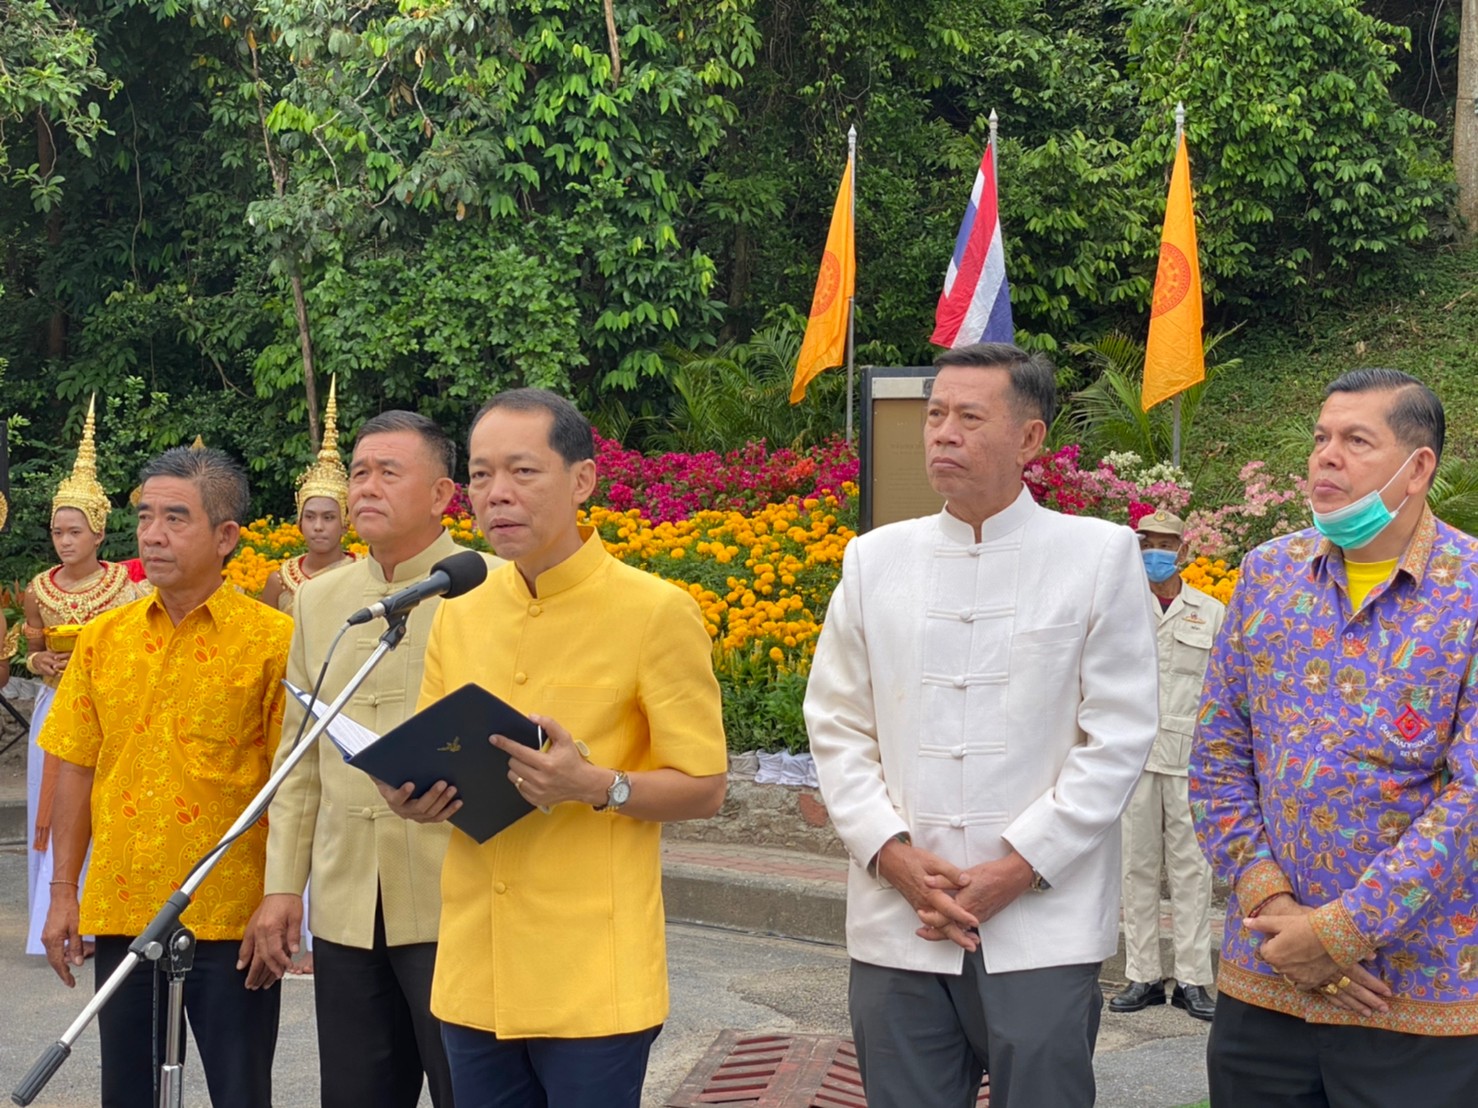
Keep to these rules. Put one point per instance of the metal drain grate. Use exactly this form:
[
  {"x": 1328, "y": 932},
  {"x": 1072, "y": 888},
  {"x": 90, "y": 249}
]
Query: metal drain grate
[{"x": 778, "y": 1071}]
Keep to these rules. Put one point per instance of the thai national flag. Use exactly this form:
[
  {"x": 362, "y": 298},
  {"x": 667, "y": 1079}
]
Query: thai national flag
[{"x": 976, "y": 303}]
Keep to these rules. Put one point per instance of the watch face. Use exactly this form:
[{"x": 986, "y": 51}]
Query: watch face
[{"x": 620, "y": 791}]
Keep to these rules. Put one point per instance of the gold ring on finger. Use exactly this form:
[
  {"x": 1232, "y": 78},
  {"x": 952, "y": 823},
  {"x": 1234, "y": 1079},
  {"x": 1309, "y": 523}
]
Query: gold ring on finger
[
  {"x": 1344, "y": 983},
  {"x": 1330, "y": 988},
  {"x": 518, "y": 782}
]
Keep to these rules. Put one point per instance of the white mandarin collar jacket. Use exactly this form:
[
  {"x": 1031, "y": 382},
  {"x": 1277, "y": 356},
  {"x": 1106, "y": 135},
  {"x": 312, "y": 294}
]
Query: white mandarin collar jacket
[{"x": 982, "y": 696}]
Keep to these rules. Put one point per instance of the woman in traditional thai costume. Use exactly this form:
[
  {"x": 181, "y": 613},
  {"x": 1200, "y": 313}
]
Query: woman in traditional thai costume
[
  {"x": 57, "y": 603},
  {"x": 323, "y": 517}
]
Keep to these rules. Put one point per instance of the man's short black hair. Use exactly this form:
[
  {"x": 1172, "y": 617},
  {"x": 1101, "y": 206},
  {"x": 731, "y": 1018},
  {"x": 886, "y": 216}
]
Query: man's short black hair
[
  {"x": 224, "y": 492},
  {"x": 1415, "y": 416},
  {"x": 570, "y": 433},
  {"x": 439, "y": 444},
  {"x": 1033, "y": 379}
]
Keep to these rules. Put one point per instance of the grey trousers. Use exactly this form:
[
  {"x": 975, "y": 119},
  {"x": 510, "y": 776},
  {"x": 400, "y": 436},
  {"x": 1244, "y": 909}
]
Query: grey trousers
[{"x": 925, "y": 1039}]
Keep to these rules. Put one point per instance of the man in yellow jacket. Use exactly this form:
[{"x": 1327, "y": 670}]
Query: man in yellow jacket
[{"x": 551, "y": 980}]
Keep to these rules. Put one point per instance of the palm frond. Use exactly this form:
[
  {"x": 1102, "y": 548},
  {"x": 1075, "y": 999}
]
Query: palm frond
[
  {"x": 1454, "y": 494},
  {"x": 1107, "y": 415}
]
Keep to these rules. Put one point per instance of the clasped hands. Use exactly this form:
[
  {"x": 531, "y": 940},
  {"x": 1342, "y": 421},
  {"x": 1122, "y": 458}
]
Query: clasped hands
[
  {"x": 952, "y": 902},
  {"x": 547, "y": 777},
  {"x": 1292, "y": 947}
]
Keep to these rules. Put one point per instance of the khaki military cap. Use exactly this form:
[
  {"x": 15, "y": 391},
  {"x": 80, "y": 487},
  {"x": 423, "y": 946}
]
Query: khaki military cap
[{"x": 1161, "y": 522}]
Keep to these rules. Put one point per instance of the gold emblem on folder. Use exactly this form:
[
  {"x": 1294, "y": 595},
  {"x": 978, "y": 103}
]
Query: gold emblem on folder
[{"x": 453, "y": 747}]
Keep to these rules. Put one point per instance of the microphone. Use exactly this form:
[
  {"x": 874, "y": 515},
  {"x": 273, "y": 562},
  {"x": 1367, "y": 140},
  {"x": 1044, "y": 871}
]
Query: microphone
[{"x": 449, "y": 577}]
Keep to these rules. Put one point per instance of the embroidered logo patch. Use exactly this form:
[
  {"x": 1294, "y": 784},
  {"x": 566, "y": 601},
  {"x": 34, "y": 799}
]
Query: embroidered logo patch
[{"x": 1410, "y": 724}]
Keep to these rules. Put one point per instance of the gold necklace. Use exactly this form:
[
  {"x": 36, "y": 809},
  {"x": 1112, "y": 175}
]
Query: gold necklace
[
  {"x": 99, "y": 592},
  {"x": 294, "y": 576}
]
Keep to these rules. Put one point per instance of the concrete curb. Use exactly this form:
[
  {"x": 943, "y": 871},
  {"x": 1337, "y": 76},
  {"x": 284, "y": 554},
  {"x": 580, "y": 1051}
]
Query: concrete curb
[{"x": 796, "y": 907}]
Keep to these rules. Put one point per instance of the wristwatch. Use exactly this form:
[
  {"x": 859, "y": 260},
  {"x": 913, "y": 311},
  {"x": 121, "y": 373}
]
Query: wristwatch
[
  {"x": 618, "y": 794},
  {"x": 1039, "y": 883}
]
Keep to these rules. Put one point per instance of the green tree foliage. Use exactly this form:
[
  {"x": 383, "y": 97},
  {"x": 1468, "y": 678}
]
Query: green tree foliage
[
  {"x": 1309, "y": 177},
  {"x": 435, "y": 198},
  {"x": 508, "y": 167},
  {"x": 49, "y": 76},
  {"x": 920, "y": 80}
]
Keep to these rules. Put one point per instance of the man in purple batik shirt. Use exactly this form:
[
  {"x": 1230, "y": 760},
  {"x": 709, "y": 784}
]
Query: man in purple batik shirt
[{"x": 1334, "y": 781}]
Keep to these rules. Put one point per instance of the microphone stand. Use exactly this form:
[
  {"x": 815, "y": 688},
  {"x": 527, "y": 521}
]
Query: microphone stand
[{"x": 165, "y": 935}]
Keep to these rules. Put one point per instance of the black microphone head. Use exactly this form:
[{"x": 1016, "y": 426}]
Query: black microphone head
[{"x": 465, "y": 571}]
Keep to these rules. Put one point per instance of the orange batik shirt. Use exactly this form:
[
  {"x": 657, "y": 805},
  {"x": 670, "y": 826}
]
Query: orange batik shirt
[{"x": 180, "y": 725}]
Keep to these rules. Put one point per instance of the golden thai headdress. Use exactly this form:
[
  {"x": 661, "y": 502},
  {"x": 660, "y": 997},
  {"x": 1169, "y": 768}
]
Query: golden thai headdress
[
  {"x": 138, "y": 490},
  {"x": 327, "y": 476},
  {"x": 81, "y": 490}
]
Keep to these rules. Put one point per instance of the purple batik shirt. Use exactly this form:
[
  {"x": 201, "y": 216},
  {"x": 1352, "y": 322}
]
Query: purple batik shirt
[{"x": 1336, "y": 759}]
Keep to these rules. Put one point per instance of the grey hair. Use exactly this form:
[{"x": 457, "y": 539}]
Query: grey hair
[{"x": 219, "y": 477}]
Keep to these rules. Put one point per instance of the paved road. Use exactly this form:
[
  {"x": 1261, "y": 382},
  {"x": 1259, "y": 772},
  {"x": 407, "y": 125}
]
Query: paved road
[{"x": 720, "y": 979}]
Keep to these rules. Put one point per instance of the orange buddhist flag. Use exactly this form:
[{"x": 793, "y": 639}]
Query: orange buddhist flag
[
  {"x": 825, "y": 344},
  {"x": 1174, "y": 358}
]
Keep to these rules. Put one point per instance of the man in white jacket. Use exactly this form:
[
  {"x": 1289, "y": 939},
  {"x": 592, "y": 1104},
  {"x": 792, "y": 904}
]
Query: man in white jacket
[{"x": 982, "y": 702}]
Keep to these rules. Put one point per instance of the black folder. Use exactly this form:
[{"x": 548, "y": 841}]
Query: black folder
[{"x": 448, "y": 741}]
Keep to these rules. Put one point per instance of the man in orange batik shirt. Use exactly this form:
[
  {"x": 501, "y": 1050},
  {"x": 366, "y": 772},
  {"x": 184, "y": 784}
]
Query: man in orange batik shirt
[{"x": 166, "y": 722}]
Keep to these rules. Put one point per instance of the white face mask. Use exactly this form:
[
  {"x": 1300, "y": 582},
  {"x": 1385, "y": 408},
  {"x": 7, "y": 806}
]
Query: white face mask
[{"x": 1358, "y": 524}]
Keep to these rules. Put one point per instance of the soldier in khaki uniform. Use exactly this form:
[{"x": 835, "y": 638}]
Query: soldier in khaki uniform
[{"x": 1157, "y": 826}]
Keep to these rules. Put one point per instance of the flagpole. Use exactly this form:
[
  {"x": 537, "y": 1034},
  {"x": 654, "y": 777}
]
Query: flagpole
[
  {"x": 1175, "y": 401},
  {"x": 851, "y": 300}
]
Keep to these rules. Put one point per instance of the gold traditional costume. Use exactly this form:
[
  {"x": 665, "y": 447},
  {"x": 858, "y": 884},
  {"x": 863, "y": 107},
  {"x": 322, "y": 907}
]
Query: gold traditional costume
[
  {"x": 81, "y": 490},
  {"x": 325, "y": 477},
  {"x": 63, "y": 611}
]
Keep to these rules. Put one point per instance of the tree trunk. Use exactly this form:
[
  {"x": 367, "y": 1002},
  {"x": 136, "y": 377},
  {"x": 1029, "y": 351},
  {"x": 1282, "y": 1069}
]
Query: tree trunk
[
  {"x": 310, "y": 378},
  {"x": 739, "y": 281},
  {"x": 56, "y": 330},
  {"x": 1465, "y": 126},
  {"x": 615, "y": 41},
  {"x": 278, "y": 169}
]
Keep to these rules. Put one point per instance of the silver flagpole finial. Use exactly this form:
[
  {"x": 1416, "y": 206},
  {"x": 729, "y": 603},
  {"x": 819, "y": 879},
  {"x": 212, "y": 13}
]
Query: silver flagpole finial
[
  {"x": 994, "y": 120},
  {"x": 1179, "y": 119}
]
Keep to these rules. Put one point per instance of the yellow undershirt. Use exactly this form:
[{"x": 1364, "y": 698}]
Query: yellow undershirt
[{"x": 1365, "y": 576}]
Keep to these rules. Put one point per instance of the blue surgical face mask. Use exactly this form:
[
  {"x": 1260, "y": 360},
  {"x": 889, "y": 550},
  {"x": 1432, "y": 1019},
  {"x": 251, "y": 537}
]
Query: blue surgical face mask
[
  {"x": 1159, "y": 565},
  {"x": 1360, "y": 523}
]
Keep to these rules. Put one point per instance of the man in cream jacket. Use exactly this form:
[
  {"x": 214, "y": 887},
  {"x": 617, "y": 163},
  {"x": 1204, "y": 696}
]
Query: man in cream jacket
[{"x": 982, "y": 702}]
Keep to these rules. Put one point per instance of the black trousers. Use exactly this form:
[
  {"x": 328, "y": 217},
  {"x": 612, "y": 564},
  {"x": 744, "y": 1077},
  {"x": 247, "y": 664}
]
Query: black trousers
[
  {"x": 1256, "y": 1056},
  {"x": 235, "y": 1028},
  {"x": 377, "y": 1038}
]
